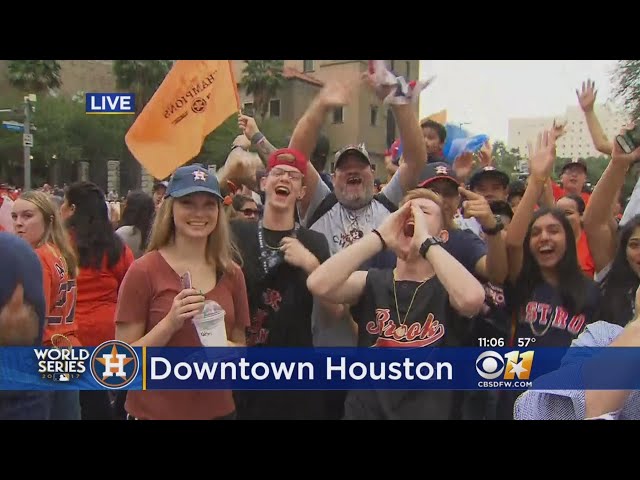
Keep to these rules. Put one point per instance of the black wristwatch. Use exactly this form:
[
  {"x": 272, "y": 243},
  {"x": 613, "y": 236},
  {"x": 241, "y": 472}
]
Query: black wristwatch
[
  {"x": 495, "y": 230},
  {"x": 427, "y": 244}
]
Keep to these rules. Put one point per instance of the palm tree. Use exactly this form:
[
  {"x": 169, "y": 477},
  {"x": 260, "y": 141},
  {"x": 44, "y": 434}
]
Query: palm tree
[
  {"x": 626, "y": 79},
  {"x": 263, "y": 79},
  {"x": 142, "y": 78},
  {"x": 34, "y": 76}
]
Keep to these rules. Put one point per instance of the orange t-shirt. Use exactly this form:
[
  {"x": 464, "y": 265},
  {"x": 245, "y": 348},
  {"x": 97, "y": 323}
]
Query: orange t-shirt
[
  {"x": 559, "y": 192},
  {"x": 60, "y": 297},
  {"x": 97, "y": 299},
  {"x": 584, "y": 256}
]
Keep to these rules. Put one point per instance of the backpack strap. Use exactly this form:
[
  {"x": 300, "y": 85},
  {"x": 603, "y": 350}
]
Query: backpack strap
[
  {"x": 327, "y": 204},
  {"x": 330, "y": 200},
  {"x": 386, "y": 203}
]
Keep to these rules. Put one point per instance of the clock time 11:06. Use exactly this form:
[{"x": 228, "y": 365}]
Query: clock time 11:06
[{"x": 490, "y": 342}]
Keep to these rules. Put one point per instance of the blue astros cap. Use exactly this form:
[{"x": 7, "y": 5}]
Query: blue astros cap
[{"x": 191, "y": 179}]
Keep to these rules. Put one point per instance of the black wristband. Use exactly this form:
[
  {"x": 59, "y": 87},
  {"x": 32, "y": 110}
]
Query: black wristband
[{"x": 384, "y": 244}]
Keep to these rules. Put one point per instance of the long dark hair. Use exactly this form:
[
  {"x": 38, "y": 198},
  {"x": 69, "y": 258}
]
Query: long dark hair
[
  {"x": 90, "y": 227},
  {"x": 572, "y": 283},
  {"x": 139, "y": 212},
  {"x": 620, "y": 284}
]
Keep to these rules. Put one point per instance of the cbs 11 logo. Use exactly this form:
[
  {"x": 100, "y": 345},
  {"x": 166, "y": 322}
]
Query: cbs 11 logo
[{"x": 491, "y": 365}]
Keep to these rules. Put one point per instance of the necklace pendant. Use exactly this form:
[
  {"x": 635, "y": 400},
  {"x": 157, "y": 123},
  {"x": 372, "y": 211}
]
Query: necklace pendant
[{"x": 401, "y": 331}]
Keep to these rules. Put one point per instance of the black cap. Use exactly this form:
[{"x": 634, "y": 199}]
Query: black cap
[
  {"x": 436, "y": 171},
  {"x": 576, "y": 161},
  {"x": 486, "y": 172}
]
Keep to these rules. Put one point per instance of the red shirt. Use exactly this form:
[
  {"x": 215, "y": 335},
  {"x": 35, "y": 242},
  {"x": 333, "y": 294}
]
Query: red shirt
[
  {"x": 559, "y": 192},
  {"x": 584, "y": 256},
  {"x": 97, "y": 299},
  {"x": 60, "y": 298}
]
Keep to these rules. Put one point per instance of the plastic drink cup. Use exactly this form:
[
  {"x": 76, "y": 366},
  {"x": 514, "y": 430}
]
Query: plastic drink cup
[{"x": 210, "y": 325}]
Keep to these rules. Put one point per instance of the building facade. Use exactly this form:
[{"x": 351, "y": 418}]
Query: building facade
[
  {"x": 364, "y": 120},
  {"x": 576, "y": 143}
]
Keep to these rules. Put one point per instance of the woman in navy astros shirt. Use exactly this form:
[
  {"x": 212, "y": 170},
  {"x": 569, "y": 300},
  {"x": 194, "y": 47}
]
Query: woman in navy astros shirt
[{"x": 551, "y": 301}]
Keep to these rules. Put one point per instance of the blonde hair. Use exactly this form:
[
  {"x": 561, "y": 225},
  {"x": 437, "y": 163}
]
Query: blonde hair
[
  {"x": 220, "y": 248},
  {"x": 54, "y": 232},
  {"x": 417, "y": 193}
]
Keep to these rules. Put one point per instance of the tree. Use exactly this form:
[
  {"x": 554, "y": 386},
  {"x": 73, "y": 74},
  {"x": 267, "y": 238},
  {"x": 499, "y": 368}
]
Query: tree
[
  {"x": 626, "y": 78},
  {"x": 263, "y": 79},
  {"x": 142, "y": 78},
  {"x": 34, "y": 76},
  {"x": 506, "y": 160},
  {"x": 218, "y": 144}
]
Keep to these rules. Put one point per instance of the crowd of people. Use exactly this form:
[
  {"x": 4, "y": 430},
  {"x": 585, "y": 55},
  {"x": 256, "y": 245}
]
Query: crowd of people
[{"x": 438, "y": 255}]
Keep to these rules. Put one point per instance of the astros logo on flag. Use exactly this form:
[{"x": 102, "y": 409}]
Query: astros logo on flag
[{"x": 114, "y": 364}]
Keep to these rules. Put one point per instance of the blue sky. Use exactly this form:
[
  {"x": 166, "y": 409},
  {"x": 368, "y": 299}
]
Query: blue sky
[{"x": 487, "y": 93}]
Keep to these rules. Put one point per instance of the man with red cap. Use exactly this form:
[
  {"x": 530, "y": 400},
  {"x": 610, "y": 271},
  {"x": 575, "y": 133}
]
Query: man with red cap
[{"x": 278, "y": 255}]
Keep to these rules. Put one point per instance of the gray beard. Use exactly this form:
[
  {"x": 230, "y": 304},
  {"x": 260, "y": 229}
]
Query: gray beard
[{"x": 354, "y": 204}]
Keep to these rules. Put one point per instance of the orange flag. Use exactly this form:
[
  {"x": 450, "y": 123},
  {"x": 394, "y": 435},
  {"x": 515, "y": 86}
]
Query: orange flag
[
  {"x": 192, "y": 101},
  {"x": 439, "y": 117}
]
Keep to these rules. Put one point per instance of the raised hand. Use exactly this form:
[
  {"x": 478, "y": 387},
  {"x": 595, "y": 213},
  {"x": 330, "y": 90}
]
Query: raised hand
[
  {"x": 542, "y": 157},
  {"x": 463, "y": 165},
  {"x": 587, "y": 96},
  {"x": 421, "y": 230},
  {"x": 476, "y": 206},
  {"x": 337, "y": 93},
  {"x": 248, "y": 126},
  {"x": 392, "y": 227},
  {"x": 485, "y": 155},
  {"x": 619, "y": 156},
  {"x": 242, "y": 141},
  {"x": 558, "y": 129}
]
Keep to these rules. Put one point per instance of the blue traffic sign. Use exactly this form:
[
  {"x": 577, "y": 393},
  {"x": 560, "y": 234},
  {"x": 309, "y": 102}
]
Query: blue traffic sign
[{"x": 13, "y": 126}]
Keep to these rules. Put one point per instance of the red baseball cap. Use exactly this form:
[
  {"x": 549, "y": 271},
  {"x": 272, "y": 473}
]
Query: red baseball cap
[{"x": 288, "y": 156}]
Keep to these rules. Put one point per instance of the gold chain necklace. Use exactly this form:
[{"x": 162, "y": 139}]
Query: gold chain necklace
[
  {"x": 540, "y": 334},
  {"x": 402, "y": 328}
]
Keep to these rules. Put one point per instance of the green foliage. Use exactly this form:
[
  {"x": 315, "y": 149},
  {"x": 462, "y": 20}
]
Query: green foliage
[
  {"x": 65, "y": 131},
  {"x": 218, "y": 144},
  {"x": 506, "y": 160},
  {"x": 34, "y": 76},
  {"x": 142, "y": 77},
  {"x": 263, "y": 79},
  {"x": 626, "y": 78}
]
